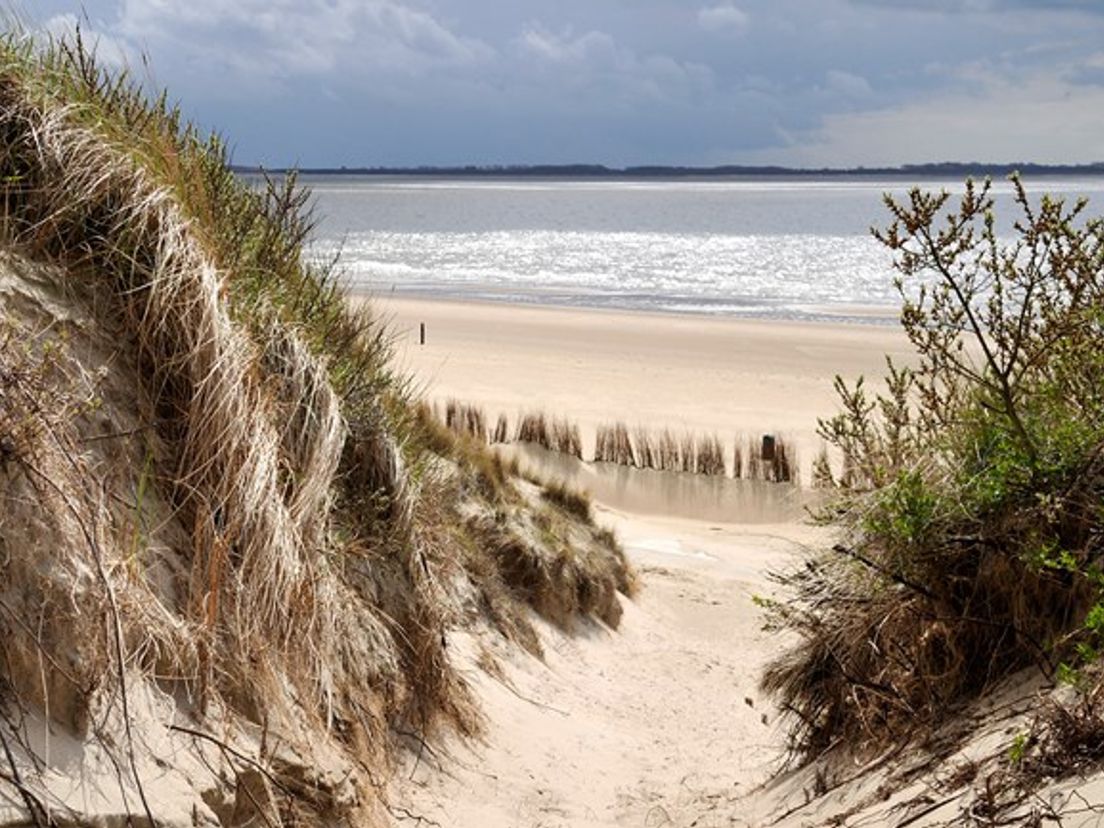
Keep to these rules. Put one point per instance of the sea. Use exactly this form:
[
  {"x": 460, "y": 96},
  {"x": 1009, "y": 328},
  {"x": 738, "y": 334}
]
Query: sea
[{"x": 797, "y": 249}]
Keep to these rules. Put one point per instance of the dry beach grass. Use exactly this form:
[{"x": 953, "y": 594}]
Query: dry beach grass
[{"x": 230, "y": 509}]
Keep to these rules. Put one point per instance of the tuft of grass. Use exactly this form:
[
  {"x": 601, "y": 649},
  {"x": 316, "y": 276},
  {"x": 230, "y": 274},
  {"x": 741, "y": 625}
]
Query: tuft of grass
[
  {"x": 687, "y": 454},
  {"x": 709, "y": 456},
  {"x": 533, "y": 428},
  {"x": 466, "y": 419},
  {"x": 667, "y": 451},
  {"x": 501, "y": 430},
  {"x": 643, "y": 450},
  {"x": 771, "y": 458},
  {"x": 737, "y": 460},
  {"x": 566, "y": 439},
  {"x": 614, "y": 445},
  {"x": 572, "y": 501}
]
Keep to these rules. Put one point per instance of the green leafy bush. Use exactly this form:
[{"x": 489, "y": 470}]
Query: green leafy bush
[{"x": 969, "y": 494}]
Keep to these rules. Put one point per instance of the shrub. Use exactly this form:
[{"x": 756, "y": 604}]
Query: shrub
[{"x": 969, "y": 493}]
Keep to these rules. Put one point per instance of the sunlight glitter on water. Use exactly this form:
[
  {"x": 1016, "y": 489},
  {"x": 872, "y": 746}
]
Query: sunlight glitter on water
[{"x": 687, "y": 273}]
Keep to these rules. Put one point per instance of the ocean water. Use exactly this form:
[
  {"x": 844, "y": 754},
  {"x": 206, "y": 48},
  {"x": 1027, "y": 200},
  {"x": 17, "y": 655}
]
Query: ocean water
[{"x": 767, "y": 248}]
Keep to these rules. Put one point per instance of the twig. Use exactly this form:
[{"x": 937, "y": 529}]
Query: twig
[
  {"x": 405, "y": 814},
  {"x": 923, "y": 812},
  {"x": 237, "y": 754},
  {"x": 896, "y": 577},
  {"x": 34, "y": 807}
]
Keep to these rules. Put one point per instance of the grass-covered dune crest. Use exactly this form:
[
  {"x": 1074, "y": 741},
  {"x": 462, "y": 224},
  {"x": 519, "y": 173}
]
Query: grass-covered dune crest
[{"x": 233, "y": 546}]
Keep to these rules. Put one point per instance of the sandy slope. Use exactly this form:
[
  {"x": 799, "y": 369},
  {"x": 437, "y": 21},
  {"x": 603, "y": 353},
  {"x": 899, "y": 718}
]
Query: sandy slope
[{"x": 649, "y": 725}]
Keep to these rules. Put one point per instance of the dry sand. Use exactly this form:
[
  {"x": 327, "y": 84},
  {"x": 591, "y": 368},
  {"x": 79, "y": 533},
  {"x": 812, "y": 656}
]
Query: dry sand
[
  {"x": 718, "y": 375},
  {"x": 659, "y": 722},
  {"x": 660, "y": 369},
  {"x": 646, "y": 726}
]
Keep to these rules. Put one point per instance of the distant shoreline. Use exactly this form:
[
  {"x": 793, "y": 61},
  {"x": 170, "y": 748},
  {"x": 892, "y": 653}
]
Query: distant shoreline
[
  {"x": 599, "y": 171},
  {"x": 798, "y": 313}
]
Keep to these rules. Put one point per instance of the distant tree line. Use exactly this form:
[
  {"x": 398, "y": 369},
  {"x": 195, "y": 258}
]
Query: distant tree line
[{"x": 949, "y": 169}]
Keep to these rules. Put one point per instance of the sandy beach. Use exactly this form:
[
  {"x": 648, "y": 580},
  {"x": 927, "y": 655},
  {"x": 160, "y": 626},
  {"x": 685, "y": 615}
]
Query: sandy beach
[
  {"x": 661, "y": 721},
  {"x": 718, "y": 375}
]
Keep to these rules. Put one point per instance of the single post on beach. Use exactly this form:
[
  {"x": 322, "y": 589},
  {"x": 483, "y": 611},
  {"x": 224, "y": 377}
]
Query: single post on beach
[
  {"x": 421, "y": 327},
  {"x": 767, "y": 451}
]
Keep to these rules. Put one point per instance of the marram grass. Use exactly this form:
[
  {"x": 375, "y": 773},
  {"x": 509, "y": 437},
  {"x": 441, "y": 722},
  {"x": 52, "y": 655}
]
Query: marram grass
[{"x": 301, "y": 571}]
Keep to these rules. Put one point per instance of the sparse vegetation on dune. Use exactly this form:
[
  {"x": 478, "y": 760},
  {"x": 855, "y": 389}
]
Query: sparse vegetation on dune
[
  {"x": 709, "y": 456},
  {"x": 667, "y": 451},
  {"x": 571, "y": 500},
  {"x": 566, "y": 438},
  {"x": 687, "y": 454},
  {"x": 501, "y": 430},
  {"x": 533, "y": 428},
  {"x": 220, "y": 493},
  {"x": 771, "y": 459},
  {"x": 970, "y": 492},
  {"x": 614, "y": 445},
  {"x": 644, "y": 453},
  {"x": 466, "y": 419}
]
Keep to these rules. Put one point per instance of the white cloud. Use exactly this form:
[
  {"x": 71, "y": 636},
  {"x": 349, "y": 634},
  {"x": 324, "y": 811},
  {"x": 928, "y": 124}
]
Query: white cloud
[
  {"x": 1039, "y": 118},
  {"x": 722, "y": 17},
  {"x": 592, "y": 48},
  {"x": 271, "y": 39}
]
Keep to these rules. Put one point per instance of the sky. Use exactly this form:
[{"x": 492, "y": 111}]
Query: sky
[{"x": 619, "y": 82}]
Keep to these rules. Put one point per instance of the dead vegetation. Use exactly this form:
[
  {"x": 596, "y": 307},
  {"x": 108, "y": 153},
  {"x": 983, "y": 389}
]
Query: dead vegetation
[
  {"x": 566, "y": 439},
  {"x": 466, "y": 419},
  {"x": 502, "y": 430},
  {"x": 221, "y": 494},
  {"x": 667, "y": 452},
  {"x": 771, "y": 458},
  {"x": 709, "y": 456},
  {"x": 570, "y": 500},
  {"x": 614, "y": 445},
  {"x": 533, "y": 428}
]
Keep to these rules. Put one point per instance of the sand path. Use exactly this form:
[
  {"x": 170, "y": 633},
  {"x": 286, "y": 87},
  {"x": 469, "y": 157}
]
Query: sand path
[{"x": 648, "y": 725}]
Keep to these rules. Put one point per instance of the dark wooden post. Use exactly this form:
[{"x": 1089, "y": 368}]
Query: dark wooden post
[
  {"x": 767, "y": 452},
  {"x": 422, "y": 331}
]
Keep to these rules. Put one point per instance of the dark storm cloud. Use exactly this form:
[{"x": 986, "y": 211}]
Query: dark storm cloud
[{"x": 651, "y": 81}]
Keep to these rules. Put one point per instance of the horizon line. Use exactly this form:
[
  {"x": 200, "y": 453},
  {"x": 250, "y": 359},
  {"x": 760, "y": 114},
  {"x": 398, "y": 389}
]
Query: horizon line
[{"x": 656, "y": 170}]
